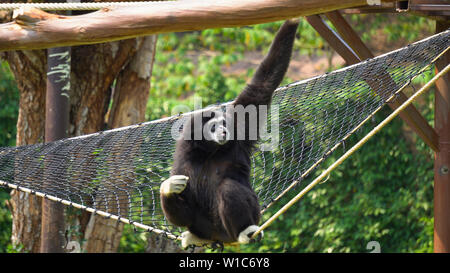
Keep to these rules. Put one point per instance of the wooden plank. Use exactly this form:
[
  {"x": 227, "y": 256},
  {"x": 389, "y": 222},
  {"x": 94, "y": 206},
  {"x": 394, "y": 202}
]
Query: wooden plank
[
  {"x": 33, "y": 29},
  {"x": 349, "y": 35},
  {"x": 350, "y": 39},
  {"x": 341, "y": 47},
  {"x": 430, "y": 8}
]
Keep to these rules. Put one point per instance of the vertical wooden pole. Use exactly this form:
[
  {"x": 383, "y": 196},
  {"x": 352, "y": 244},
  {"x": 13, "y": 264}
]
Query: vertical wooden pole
[
  {"x": 56, "y": 126},
  {"x": 442, "y": 158}
]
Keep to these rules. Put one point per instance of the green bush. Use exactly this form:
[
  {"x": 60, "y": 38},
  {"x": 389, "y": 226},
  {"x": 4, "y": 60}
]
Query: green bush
[
  {"x": 9, "y": 104},
  {"x": 382, "y": 193}
]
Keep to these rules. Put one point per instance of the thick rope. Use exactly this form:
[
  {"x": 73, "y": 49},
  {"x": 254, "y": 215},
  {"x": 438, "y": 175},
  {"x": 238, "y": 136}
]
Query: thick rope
[
  {"x": 351, "y": 151},
  {"x": 72, "y": 6}
]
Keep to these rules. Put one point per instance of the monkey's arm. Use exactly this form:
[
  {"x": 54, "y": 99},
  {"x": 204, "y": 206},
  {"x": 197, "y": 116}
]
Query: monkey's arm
[
  {"x": 173, "y": 204},
  {"x": 272, "y": 69},
  {"x": 270, "y": 72}
]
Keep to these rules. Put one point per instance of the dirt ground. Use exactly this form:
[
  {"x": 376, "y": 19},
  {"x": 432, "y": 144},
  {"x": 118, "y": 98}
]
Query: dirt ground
[{"x": 301, "y": 66}]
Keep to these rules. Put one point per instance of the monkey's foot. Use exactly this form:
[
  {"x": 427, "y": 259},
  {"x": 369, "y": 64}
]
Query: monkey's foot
[
  {"x": 188, "y": 239},
  {"x": 175, "y": 184},
  {"x": 245, "y": 236}
]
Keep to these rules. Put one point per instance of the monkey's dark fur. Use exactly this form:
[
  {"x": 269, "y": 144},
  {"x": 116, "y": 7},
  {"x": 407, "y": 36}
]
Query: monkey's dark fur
[{"x": 218, "y": 202}]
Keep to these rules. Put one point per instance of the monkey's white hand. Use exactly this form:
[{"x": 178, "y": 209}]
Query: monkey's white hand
[{"x": 175, "y": 184}]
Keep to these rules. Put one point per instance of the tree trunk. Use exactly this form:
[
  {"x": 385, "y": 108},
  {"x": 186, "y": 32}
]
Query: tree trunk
[
  {"x": 130, "y": 97},
  {"x": 94, "y": 69},
  {"x": 29, "y": 68},
  {"x": 133, "y": 86}
]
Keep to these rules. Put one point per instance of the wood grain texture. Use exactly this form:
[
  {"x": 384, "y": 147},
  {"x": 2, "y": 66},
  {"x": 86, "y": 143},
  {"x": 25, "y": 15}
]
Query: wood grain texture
[
  {"x": 442, "y": 158},
  {"x": 32, "y": 29}
]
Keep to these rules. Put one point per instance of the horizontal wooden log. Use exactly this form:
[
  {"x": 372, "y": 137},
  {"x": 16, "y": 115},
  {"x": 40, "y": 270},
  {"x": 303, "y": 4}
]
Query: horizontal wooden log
[{"x": 34, "y": 29}]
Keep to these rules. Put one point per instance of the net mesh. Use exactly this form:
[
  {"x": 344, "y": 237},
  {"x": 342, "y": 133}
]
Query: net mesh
[{"x": 119, "y": 171}]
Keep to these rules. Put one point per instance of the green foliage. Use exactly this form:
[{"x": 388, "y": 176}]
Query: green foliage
[
  {"x": 382, "y": 193},
  {"x": 180, "y": 72},
  {"x": 9, "y": 103},
  {"x": 404, "y": 28},
  {"x": 132, "y": 241},
  {"x": 5, "y": 223}
]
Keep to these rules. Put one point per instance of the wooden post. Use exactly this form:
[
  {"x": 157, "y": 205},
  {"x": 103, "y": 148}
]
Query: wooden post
[
  {"x": 56, "y": 127},
  {"x": 442, "y": 158}
]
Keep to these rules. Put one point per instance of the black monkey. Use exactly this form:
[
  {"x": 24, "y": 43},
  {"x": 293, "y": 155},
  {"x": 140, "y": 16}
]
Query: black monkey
[{"x": 209, "y": 191}]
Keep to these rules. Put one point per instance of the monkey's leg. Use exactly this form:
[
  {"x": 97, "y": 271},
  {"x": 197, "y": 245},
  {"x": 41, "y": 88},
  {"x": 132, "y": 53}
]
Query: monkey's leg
[
  {"x": 173, "y": 201},
  {"x": 238, "y": 210}
]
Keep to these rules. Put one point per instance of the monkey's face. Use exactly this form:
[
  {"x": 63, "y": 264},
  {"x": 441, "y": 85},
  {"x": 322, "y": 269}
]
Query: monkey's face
[
  {"x": 208, "y": 128},
  {"x": 215, "y": 130}
]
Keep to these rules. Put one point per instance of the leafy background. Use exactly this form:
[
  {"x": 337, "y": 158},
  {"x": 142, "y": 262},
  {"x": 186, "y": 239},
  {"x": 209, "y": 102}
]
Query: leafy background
[{"x": 382, "y": 193}]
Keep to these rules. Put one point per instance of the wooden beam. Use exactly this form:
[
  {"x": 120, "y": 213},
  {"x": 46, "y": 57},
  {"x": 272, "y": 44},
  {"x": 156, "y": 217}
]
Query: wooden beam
[
  {"x": 442, "y": 158},
  {"x": 333, "y": 39},
  {"x": 352, "y": 49},
  {"x": 349, "y": 35},
  {"x": 411, "y": 115},
  {"x": 439, "y": 9},
  {"x": 32, "y": 29}
]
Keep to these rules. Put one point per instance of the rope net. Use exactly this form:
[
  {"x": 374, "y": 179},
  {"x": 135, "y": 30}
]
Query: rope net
[{"x": 117, "y": 173}]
